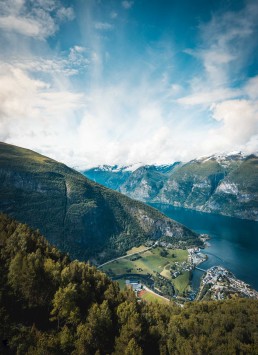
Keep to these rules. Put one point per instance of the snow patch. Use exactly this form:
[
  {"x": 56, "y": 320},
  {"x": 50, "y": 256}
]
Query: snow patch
[{"x": 228, "y": 188}]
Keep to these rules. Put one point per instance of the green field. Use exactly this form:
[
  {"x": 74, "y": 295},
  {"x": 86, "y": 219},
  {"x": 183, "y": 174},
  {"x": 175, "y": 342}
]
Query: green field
[
  {"x": 151, "y": 262},
  {"x": 181, "y": 283},
  {"x": 151, "y": 297}
]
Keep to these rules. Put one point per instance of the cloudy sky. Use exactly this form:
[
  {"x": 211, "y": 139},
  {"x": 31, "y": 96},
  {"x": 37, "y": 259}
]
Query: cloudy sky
[{"x": 91, "y": 82}]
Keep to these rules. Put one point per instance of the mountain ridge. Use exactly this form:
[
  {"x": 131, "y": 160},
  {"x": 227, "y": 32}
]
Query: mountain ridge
[
  {"x": 79, "y": 216},
  {"x": 223, "y": 184}
]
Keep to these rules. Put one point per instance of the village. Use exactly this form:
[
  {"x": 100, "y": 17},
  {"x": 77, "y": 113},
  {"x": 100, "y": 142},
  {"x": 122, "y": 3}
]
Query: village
[
  {"x": 163, "y": 284},
  {"x": 218, "y": 283}
]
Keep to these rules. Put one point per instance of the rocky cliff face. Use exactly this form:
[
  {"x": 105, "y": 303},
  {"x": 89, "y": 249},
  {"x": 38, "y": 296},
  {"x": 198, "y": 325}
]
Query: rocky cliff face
[
  {"x": 74, "y": 213},
  {"x": 225, "y": 185},
  {"x": 144, "y": 183},
  {"x": 237, "y": 194}
]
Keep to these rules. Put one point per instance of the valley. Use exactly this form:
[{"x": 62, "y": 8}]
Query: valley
[
  {"x": 128, "y": 177},
  {"x": 233, "y": 242},
  {"x": 50, "y": 304},
  {"x": 166, "y": 271},
  {"x": 211, "y": 186},
  {"x": 101, "y": 224}
]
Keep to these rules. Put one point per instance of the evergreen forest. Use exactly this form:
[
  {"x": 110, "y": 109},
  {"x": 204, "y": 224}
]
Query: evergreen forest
[{"x": 50, "y": 304}]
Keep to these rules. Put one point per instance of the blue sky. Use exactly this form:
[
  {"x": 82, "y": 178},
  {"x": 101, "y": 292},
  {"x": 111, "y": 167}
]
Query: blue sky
[{"x": 91, "y": 82}]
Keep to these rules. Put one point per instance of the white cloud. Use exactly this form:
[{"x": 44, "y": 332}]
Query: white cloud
[
  {"x": 223, "y": 54},
  {"x": 239, "y": 120},
  {"x": 38, "y": 19},
  {"x": 120, "y": 123},
  {"x": 138, "y": 114},
  {"x": 36, "y": 115},
  {"x": 103, "y": 26},
  {"x": 208, "y": 97},
  {"x": 127, "y": 4},
  {"x": 251, "y": 88},
  {"x": 68, "y": 64},
  {"x": 65, "y": 14},
  {"x": 26, "y": 26}
]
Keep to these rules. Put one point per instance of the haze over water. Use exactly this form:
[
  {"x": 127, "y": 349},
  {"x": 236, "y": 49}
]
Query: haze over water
[{"x": 233, "y": 243}]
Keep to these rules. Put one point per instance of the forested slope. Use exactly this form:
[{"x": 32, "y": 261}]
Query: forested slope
[
  {"x": 77, "y": 215},
  {"x": 51, "y": 305}
]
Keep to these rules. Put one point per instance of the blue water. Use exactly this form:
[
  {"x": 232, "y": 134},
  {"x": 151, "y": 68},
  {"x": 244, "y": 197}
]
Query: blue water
[{"x": 233, "y": 243}]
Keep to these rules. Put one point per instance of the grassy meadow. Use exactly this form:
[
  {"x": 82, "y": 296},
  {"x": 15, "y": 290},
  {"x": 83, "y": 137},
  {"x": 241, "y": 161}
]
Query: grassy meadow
[
  {"x": 156, "y": 260},
  {"x": 151, "y": 297}
]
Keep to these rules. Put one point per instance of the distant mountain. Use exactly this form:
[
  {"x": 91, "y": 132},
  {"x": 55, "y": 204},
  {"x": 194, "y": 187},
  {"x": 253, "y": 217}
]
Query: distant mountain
[
  {"x": 145, "y": 183},
  {"x": 77, "y": 215},
  {"x": 222, "y": 184},
  {"x": 109, "y": 176}
]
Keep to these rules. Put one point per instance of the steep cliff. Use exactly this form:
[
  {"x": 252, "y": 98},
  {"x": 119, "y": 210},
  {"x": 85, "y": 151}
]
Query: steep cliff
[{"x": 77, "y": 215}]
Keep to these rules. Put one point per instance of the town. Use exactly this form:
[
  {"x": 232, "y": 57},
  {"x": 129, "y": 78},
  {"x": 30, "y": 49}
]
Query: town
[{"x": 218, "y": 283}]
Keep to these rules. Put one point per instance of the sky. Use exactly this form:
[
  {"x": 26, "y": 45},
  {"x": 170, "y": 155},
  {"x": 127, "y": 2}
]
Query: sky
[{"x": 90, "y": 82}]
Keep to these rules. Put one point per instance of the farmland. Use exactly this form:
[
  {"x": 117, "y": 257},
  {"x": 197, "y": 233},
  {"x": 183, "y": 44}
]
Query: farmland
[{"x": 156, "y": 263}]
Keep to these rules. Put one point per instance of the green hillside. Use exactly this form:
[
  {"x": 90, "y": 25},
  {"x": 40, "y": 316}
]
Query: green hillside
[
  {"x": 51, "y": 305},
  {"x": 79, "y": 216}
]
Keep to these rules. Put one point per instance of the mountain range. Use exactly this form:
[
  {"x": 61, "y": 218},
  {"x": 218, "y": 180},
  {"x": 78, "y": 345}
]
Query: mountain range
[
  {"x": 221, "y": 184},
  {"x": 77, "y": 215}
]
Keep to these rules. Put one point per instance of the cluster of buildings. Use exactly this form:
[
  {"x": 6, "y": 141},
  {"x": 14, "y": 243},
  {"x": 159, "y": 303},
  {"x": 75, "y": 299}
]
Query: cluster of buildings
[
  {"x": 195, "y": 257},
  {"x": 223, "y": 284}
]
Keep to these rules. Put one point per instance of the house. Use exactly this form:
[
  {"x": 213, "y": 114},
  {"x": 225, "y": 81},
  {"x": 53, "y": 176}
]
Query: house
[{"x": 134, "y": 285}]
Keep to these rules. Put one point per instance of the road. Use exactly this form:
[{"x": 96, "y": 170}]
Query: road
[{"x": 125, "y": 256}]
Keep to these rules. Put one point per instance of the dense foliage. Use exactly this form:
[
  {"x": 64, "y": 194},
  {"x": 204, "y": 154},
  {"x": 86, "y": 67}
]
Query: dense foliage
[
  {"x": 77, "y": 215},
  {"x": 51, "y": 305}
]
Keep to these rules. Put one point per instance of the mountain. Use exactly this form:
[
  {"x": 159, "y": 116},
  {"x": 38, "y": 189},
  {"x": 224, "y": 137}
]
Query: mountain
[
  {"x": 222, "y": 184},
  {"x": 225, "y": 185},
  {"x": 145, "y": 182},
  {"x": 109, "y": 176},
  {"x": 140, "y": 182},
  {"x": 77, "y": 215},
  {"x": 52, "y": 305}
]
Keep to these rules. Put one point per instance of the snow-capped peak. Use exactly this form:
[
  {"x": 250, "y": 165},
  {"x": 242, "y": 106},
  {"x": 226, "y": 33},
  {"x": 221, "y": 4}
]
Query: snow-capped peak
[{"x": 116, "y": 168}]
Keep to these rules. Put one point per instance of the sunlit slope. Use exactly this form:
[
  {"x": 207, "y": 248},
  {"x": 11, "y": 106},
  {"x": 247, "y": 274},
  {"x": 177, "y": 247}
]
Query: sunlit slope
[{"x": 76, "y": 214}]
